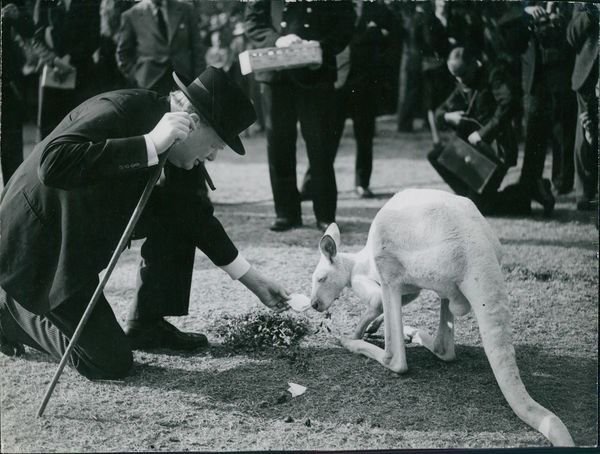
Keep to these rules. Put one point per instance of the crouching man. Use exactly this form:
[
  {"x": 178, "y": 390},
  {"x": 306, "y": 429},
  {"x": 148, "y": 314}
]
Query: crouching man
[
  {"x": 64, "y": 210},
  {"x": 481, "y": 110}
]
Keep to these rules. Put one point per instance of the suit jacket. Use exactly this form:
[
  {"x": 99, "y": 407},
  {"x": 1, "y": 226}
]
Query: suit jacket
[
  {"x": 494, "y": 107},
  {"x": 582, "y": 34},
  {"x": 144, "y": 55},
  {"x": 367, "y": 47},
  {"x": 557, "y": 67},
  {"x": 64, "y": 210},
  {"x": 330, "y": 23},
  {"x": 75, "y": 32}
]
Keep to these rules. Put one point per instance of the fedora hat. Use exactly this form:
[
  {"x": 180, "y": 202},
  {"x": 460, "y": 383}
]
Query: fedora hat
[{"x": 222, "y": 103}]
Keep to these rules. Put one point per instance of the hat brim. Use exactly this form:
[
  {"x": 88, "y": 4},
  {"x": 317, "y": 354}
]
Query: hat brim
[{"x": 234, "y": 142}]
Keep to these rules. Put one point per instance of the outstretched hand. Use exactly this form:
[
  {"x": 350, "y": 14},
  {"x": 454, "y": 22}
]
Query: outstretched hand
[{"x": 269, "y": 292}]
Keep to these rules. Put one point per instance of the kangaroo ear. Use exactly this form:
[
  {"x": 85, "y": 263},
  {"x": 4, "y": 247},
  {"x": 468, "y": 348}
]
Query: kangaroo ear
[
  {"x": 328, "y": 247},
  {"x": 334, "y": 232}
]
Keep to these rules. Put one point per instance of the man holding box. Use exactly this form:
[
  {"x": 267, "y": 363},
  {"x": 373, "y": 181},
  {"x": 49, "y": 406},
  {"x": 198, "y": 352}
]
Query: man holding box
[{"x": 302, "y": 94}]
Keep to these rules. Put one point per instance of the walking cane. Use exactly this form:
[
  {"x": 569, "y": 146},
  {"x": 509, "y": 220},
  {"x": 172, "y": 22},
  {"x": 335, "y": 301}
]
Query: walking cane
[{"x": 111, "y": 265}]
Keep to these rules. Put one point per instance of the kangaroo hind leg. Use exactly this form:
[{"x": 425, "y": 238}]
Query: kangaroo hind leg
[{"x": 442, "y": 345}]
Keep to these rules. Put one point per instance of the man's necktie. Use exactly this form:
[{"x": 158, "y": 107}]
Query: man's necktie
[{"x": 160, "y": 18}]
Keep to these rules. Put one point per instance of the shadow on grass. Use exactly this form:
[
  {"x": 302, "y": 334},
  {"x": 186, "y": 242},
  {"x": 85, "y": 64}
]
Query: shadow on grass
[
  {"x": 349, "y": 389},
  {"x": 589, "y": 245}
]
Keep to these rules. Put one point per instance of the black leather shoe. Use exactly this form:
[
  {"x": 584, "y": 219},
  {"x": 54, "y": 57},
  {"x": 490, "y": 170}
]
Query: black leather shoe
[
  {"x": 161, "y": 334},
  {"x": 364, "y": 193},
  {"x": 322, "y": 225},
  {"x": 283, "y": 224},
  {"x": 542, "y": 193},
  {"x": 10, "y": 348}
]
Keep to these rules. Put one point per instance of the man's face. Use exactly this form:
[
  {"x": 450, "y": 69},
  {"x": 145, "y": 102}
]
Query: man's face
[{"x": 201, "y": 144}]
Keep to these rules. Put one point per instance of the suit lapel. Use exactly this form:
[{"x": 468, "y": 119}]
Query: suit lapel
[
  {"x": 174, "y": 16},
  {"x": 150, "y": 19}
]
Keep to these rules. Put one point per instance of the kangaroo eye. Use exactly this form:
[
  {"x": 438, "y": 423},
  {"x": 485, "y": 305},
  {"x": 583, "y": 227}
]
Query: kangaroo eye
[{"x": 322, "y": 279}]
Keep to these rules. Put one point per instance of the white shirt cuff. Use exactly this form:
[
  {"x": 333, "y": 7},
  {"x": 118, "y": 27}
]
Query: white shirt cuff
[
  {"x": 237, "y": 268},
  {"x": 151, "y": 151}
]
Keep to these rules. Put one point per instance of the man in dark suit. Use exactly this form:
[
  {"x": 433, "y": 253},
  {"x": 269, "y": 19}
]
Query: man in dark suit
[
  {"x": 550, "y": 115},
  {"x": 582, "y": 34},
  {"x": 304, "y": 95},
  {"x": 64, "y": 210},
  {"x": 357, "y": 87},
  {"x": 71, "y": 29},
  {"x": 156, "y": 38}
]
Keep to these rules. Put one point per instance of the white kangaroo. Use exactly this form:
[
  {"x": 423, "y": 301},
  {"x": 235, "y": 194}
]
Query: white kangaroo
[{"x": 428, "y": 239}]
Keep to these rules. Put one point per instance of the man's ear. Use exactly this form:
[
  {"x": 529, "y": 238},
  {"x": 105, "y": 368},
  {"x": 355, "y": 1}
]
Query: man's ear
[
  {"x": 328, "y": 247},
  {"x": 195, "y": 120}
]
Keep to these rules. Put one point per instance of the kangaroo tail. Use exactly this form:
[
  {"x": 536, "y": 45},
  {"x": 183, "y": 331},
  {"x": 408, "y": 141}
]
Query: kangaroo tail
[{"x": 485, "y": 290}]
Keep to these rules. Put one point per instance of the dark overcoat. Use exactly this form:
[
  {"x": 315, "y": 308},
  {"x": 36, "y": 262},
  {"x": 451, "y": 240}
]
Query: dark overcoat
[{"x": 65, "y": 208}]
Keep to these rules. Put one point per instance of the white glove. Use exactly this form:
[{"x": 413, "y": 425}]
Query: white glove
[
  {"x": 288, "y": 40},
  {"x": 171, "y": 127}
]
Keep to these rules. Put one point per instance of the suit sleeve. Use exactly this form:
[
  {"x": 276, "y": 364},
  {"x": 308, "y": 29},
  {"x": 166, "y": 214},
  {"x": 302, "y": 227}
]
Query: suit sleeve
[
  {"x": 342, "y": 27},
  {"x": 126, "y": 47},
  {"x": 504, "y": 98},
  {"x": 259, "y": 28},
  {"x": 92, "y": 152},
  {"x": 580, "y": 27},
  {"x": 453, "y": 103}
]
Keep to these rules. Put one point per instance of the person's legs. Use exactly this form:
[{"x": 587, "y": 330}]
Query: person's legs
[
  {"x": 280, "y": 123},
  {"x": 316, "y": 117},
  {"x": 102, "y": 351},
  {"x": 563, "y": 140},
  {"x": 363, "y": 116},
  {"x": 586, "y": 154}
]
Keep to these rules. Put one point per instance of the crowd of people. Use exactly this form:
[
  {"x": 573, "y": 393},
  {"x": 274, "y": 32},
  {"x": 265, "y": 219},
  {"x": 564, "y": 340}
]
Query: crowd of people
[
  {"x": 540, "y": 60},
  {"x": 488, "y": 72}
]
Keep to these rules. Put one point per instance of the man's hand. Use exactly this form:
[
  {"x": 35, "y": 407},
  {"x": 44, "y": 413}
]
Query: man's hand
[
  {"x": 171, "y": 127},
  {"x": 474, "y": 138},
  {"x": 288, "y": 40},
  {"x": 586, "y": 124},
  {"x": 10, "y": 11},
  {"x": 535, "y": 11},
  {"x": 270, "y": 293},
  {"x": 453, "y": 118}
]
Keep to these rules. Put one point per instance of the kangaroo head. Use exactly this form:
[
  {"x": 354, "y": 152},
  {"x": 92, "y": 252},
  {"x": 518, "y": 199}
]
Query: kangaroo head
[{"x": 331, "y": 276}]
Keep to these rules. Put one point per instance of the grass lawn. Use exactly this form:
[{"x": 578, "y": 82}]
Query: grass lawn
[{"x": 222, "y": 401}]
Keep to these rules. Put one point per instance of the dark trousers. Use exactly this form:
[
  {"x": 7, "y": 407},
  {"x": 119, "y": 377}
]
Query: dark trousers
[
  {"x": 286, "y": 104},
  {"x": 409, "y": 89},
  {"x": 102, "y": 351},
  {"x": 586, "y": 154},
  {"x": 550, "y": 118},
  {"x": 360, "y": 104},
  {"x": 11, "y": 132}
]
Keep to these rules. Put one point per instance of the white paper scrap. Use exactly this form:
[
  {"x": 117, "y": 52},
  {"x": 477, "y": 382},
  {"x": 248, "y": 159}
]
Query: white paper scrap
[
  {"x": 296, "y": 389},
  {"x": 299, "y": 302}
]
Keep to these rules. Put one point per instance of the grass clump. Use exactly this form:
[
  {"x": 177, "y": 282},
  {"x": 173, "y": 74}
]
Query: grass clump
[{"x": 258, "y": 331}]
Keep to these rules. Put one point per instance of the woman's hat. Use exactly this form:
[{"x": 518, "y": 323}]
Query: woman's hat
[{"x": 222, "y": 103}]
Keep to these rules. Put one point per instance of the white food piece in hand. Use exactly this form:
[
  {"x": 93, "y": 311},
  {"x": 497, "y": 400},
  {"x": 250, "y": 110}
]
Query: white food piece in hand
[{"x": 299, "y": 302}]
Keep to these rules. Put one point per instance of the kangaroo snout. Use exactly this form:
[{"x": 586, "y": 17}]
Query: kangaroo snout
[{"x": 317, "y": 305}]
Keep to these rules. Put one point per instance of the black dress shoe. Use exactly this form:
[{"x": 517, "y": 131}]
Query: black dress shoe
[
  {"x": 542, "y": 193},
  {"x": 161, "y": 334},
  {"x": 587, "y": 205},
  {"x": 10, "y": 348},
  {"x": 322, "y": 225},
  {"x": 364, "y": 192},
  {"x": 283, "y": 224}
]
